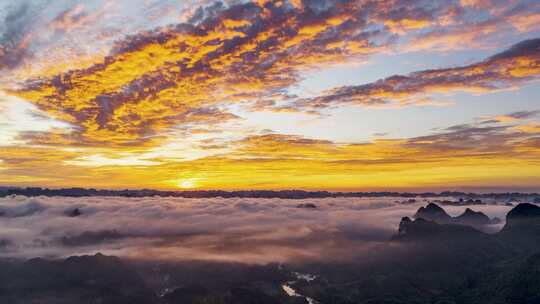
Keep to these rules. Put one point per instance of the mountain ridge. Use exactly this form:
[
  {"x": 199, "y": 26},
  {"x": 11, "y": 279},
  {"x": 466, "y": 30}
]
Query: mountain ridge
[
  {"x": 286, "y": 194},
  {"x": 433, "y": 212}
]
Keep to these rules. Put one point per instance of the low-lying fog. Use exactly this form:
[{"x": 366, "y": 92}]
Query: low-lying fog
[{"x": 216, "y": 229}]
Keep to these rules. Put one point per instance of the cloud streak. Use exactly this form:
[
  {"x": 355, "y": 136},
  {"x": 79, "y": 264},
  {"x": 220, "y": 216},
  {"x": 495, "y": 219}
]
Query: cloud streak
[
  {"x": 514, "y": 66},
  {"x": 16, "y": 35}
]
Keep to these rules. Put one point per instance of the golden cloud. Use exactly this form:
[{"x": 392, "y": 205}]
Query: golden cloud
[
  {"x": 518, "y": 64},
  {"x": 460, "y": 154},
  {"x": 155, "y": 80}
]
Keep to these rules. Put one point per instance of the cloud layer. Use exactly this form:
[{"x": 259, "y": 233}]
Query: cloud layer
[{"x": 240, "y": 230}]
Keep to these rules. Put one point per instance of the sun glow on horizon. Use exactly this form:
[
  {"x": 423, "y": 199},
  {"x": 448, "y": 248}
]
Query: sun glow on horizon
[{"x": 188, "y": 183}]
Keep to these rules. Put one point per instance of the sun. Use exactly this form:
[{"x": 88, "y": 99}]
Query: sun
[{"x": 188, "y": 183}]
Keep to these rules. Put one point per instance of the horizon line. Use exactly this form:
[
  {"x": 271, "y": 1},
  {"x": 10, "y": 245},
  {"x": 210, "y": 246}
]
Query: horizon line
[{"x": 9, "y": 190}]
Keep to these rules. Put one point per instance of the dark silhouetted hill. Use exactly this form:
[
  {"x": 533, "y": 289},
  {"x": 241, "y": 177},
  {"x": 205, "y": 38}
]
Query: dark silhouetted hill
[
  {"x": 472, "y": 218},
  {"x": 430, "y": 263},
  {"x": 522, "y": 228},
  {"x": 84, "y": 279},
  {"x": 433, "y": 212}
]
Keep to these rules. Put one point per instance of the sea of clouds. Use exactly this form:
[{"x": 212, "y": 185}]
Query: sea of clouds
[{"x": 213, "y": 229}]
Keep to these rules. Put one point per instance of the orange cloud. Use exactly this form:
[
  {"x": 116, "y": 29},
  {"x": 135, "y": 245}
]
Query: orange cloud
[
  {"x": 530, "y": 128},
  {"x": 73, "y": 18},
  {"x": 512, "y": 117},
  {"x": 459, "y": 155},
  {"x": 152, "y": 81},
  {"x": 518, "y": 64},
  {"x": 446, "y": 39}
]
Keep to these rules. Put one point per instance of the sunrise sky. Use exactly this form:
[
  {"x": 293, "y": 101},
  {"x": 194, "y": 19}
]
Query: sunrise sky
[{"x": 306, "y": 94}]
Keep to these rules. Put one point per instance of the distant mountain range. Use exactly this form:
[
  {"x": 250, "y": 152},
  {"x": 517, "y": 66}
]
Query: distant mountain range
[{"x": 465, "y": 198}]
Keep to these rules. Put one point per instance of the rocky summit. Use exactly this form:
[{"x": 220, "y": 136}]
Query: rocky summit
[{"x": 435, "y": 213}]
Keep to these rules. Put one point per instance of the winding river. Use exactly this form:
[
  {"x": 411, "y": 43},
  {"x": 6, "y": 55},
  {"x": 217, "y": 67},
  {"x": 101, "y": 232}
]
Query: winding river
[{"x": 292, "y": 292}]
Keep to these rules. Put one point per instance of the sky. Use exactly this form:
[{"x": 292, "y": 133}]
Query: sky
[{"x": 338, "y": 95}]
